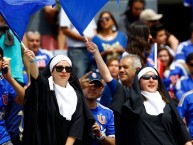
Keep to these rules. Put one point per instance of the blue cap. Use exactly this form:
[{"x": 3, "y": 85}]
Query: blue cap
[{"x": 95, "y": 78}]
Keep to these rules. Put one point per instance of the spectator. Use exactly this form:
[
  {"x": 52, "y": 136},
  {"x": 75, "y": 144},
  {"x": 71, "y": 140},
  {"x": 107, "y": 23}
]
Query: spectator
[
  {"x": 42, "y": 56},
  {"x": 138, "y": 42},
  {"x": 111, "y": 42},
  {"x": 76, "y": 47},
  {"x": 127, "y": 68},
  {"x": 61, "y": 117},
  {"x": 132, "y": 12},
  {"x": 13, "y": 51},
  {"x": 172, "y": 71},
  {"x": 151, "y": 18},
  {"x": 103, "y": 129},
  {"x": 144, "y": 110},
  {"x": 185, "y": 48},
  {"x": 185, "y": 84},
  {"x": 11, "y": 91},
  {"x": 113, "y": 66},
  {"x": 185, "y": 110},
  {"x": 158, "y": 34}
]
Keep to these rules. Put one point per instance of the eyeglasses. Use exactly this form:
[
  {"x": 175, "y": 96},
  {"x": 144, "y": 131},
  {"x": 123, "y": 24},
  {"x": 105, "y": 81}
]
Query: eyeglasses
[
  {"x": 147, "y": 77},
  {"x": 61, "y": 68},
  {"x": 104, "y": 19}
]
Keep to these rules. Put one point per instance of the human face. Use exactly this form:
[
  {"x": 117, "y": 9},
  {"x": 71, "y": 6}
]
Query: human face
[
  {"x": 114, "y": 68},
  {"x": 126, "y": 71},
  {"x": 34, "y": 42},
  {"x": 106, "y": 21},
  {"x": 93, "y": 92},
  {"x": 190, "y": 67},
  {"x": 161, "y": 37},
  {"x": 164, "y": 57},
  {"x": 150, "y": 85},
  {"x": 61, "y": 78},
  {"x": 137, "y": 8}
]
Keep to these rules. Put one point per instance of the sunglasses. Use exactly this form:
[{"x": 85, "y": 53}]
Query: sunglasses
[
  {"x": 147, "y": 77},
  {"x": 61, "y": 68},
  {"x": 104, "y": 19}
]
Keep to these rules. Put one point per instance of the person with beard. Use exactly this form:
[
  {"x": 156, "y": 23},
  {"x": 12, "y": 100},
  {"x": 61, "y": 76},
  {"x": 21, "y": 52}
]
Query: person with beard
[
  {"x": 144, "y": 113},
  {"x": 54, "y": 110}
]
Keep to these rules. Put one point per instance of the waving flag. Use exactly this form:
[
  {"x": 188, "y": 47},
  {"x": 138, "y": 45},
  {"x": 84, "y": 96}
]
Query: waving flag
[
  {"x": 17, "y": 13},
  {"x": 81, "y": 12}
]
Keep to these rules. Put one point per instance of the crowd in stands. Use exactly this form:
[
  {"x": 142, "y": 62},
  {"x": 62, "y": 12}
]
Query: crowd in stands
[{"x": 105, "y": 90}]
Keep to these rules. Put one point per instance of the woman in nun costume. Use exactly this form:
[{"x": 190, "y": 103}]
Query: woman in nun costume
[
  {"x": 144, "y": 114},
  {"x": 55, "y": 112}
]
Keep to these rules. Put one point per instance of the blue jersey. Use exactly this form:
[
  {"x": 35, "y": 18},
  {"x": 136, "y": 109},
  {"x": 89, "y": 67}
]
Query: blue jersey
[
  {"x": 105, "y": 119},
  {"x": 176, "y": 70},
  {"x": 106, "y": 97},
  {"x": 185, "y": 109},
  {"x": 7, "y": 93},
  {"x": 183, "y": 85},
  {"x": 42, "y": 58},
  {"x": 183, "y": 50}
]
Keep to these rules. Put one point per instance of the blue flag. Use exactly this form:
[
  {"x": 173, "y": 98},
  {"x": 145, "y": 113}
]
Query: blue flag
[
  {"x": 17, "y": 13},
  {"x": 81, "y": 12}
]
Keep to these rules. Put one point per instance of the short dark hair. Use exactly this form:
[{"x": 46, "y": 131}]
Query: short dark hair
[
  {"x": 1, "y": 52},
  {"x": 155, "y": 28},
  {"x": 189, "y": 58}
]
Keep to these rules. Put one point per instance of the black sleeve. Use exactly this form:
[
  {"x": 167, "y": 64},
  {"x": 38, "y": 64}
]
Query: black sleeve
[{"x": 120, "y": 97}]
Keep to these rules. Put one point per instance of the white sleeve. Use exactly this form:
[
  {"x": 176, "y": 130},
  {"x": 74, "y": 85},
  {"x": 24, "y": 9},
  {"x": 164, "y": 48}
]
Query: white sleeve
[{"x": 63, "y": 19}]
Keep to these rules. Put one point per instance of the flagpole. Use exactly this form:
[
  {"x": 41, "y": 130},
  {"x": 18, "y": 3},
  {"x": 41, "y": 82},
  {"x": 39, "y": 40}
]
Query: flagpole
[
  {"x": 23, "y": 45},
  {"x": 155, "y": 55}
]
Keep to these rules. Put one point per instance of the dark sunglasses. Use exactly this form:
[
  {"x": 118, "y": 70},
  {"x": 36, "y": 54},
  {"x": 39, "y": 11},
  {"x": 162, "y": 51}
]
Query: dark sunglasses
[
  {"x": 147, "y": 77},
  {"x": 190, "y": 64},
  {"x": 61, "y": 68},
  {"x": 104, "y": 19}
]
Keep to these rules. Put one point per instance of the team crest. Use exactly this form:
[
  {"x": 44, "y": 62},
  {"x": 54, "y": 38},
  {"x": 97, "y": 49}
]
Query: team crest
[
  {"x": 101, "y": 119},
  {"x": 5, "y": 99}
]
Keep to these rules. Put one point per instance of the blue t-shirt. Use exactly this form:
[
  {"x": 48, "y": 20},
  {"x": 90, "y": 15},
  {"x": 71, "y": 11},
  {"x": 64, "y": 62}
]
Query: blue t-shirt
[
  {"x": 185, "y": 109},
  {"x": 119, "y": 40},
  {"x": 105, "y": 119},
  {"x": 7, "y": 94}
]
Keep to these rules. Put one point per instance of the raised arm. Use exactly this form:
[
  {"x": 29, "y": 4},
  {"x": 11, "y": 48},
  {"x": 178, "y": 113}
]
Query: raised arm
[
  {"x": 17, "y": 87},
  {"x": 33, "y": 66},
  {"x": 104, "y": 71}
]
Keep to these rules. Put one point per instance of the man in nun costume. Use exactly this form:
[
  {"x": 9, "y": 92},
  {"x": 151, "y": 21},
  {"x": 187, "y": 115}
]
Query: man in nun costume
[
  {"x": 55, "y": 112},
  {"x": 144, "y": 113}
]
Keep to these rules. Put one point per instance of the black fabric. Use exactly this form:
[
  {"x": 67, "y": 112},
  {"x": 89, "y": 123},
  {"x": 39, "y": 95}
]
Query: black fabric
[
  {"x": 9, "y": 39},
  {"x": 136, "y": 127},
  {"x": 43, "y": 125}
]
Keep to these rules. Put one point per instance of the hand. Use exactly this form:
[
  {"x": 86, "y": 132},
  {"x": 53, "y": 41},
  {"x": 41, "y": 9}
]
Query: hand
[
  {"x": 119, "y": 49},
  {"x": 29, "y": 54},
  {"x": 84, "y": 81},
  {"x": 91, "y": 47},
  {"x": 96, "y": 130},
  {"x": 6, "y": 65}
]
